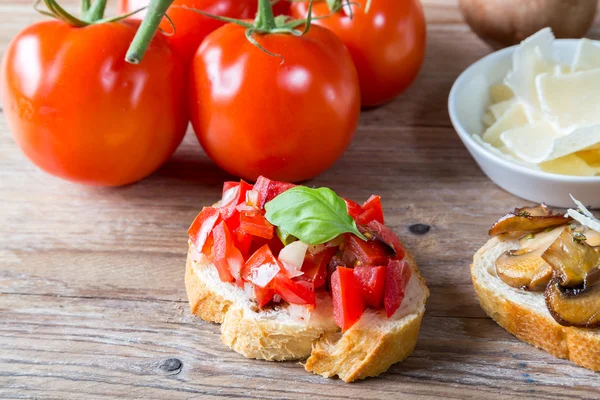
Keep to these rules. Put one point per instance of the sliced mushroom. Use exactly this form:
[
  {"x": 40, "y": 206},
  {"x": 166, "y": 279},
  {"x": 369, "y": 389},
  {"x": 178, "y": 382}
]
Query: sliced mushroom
[
  {"x": 524, "y": 268},
  {"x": 575, "y": 262},
  {"x": 528, "y": 219},
  {"x": 573, "y": 307}
]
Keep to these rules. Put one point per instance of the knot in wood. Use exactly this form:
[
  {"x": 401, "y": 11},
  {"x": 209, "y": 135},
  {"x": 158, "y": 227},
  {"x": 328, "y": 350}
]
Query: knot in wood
[
  {"x": 419, "y": 229},
  {"x": 170, "y": 365}
]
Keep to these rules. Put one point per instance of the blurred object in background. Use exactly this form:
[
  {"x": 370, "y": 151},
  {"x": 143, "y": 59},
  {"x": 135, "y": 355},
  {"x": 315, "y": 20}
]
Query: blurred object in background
[{"x": 503, "y": 23}]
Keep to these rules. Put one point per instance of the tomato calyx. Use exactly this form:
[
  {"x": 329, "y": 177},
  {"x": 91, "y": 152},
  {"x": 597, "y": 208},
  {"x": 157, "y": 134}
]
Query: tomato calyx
[
  {"x": 264, "y": 23},
  {"x": 91, "y": 13}
]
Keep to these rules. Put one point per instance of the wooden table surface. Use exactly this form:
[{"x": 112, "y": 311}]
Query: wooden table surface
[{"x": 92, "y": 300}]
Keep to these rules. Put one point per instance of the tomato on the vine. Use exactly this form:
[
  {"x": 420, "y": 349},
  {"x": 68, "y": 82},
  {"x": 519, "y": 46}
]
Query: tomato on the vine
[
  {"x": 387, "y": 43},
  {"x": 80, "y": 112},
  {"x": 191, "y": 27},
  {"x": 288, "y": 117}
]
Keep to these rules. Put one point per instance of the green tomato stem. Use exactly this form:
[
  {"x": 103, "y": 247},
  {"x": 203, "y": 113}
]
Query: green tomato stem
[
  {"x": 147, "y": 30},
  {"x": 96, "y": 11},
  {"x": 85, "y": 6},
  {"x": 265, "y": 20}
]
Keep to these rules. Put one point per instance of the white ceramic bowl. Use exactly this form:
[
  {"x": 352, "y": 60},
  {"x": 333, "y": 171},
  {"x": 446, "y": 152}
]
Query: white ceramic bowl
[{"x": 469, "y": 99}]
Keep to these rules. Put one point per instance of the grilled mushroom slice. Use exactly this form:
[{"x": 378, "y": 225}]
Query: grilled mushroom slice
[
  {"x": 573, "y": 307},
  {"x": 575, "y": 262},
  {"x": 528, "y": 219},
  {"x": 524, "y": 268}
]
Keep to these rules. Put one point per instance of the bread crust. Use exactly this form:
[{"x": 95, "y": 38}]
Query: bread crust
[
  {"x": 582, "y": 346},
  {"x": 364, "y": 350}
]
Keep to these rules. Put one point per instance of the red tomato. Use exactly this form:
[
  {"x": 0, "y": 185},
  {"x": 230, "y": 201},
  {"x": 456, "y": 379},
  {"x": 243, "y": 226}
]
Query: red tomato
[
  {"x": 354, "y": 209},
  {"x": 228, "y": 259},
  {"x": 192, "y": 27},
  {"x": 261, "y": 268},
  {"x": 387, "y": 44},
  {"x": 348, "y": 303},
  {"x": 256, "y": 224},
  {"x": 389, "y": 237},
  {"x": 267, "y": 189},
  {"x": 234, "y": 196},
  {"x": 397, "y": 276},
  {"x": 80, "y": 112},
  {"x": 263, "y": 296},
  {"x": 242, "y": 241},
  {"x": 282, "y": 7},
  {"x": 202, "y": 227},
  {"x": 368, "y": 253},
  {"x": 372, "y": 282},
  {"x": 294, "y": 292},
  {"x": 315, "y": 266},
  {"x": 255, "y": 114},
  {"x": 371, "y": 210}
]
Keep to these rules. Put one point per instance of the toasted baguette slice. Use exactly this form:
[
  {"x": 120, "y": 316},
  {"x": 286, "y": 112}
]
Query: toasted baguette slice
[
  {"x": 369, "y": 348},
  {"x": 525, "y": 315}
]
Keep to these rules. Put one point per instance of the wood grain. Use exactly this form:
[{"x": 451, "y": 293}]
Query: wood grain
[{"x": 92, "y": 302}]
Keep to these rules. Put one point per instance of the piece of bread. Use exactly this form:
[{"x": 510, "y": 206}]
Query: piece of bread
[
  {"x": 368, "y": 348},
  {"x": 525, "y": 315}
]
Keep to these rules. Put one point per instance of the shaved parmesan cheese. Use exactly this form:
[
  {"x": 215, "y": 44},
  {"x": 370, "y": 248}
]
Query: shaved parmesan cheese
[
  {"x": 568, "y": 165},
  {"x": 572, "y": 100},
  {"x": 531, "y": 58},
  {"x": 500, "y": 92},
  {"x": 488, "y": 119},
  {"x": 532, "y": 143},
  {"x": 546, "y": 115},
  {"x": 590, "y": 222},
  {"x": 514, "y": 117},
  {"x": 501, "y": 108},
  {"x": 579, "y": 139},
  {"x": 587, "y": 56}
]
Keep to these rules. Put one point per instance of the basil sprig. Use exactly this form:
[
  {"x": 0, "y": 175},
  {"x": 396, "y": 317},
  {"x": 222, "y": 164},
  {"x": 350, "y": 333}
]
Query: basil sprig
[{"x": 312, "y": 215}]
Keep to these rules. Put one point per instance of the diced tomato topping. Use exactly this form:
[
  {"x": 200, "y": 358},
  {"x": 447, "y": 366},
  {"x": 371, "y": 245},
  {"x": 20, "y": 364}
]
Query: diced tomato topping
[
  {"x": 202, "y": 226},
  {"x": 261, "y": 268},
  {"x": 268, "y": 189},
  {"x": 228, "y": 209},
  {"x": 371, "y": 252},
  {"x": 371, "y": 211},
  {"x": 354, "y": 209},
  {"x": 294, "y": 292},
  {"x": 397, "y": 276},
  {"x": 372, "y": 282},
  {"x": 242, "y": 241},
  {"x": 315, "y": 266},
  {"x": 263, "y": 296},
  {"x": 348, "y": 303},
  {"x": 256, "y": 224},
  {"x": 227, "y": 258},
  {"x": 388, "y": 236},
  {"x": 228, "y": 185}
]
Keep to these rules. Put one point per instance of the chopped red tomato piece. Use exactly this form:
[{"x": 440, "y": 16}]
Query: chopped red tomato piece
[
  {"x": 228, "y": 185},
  {"x": 202, "y": 226},
  {"x": 348, "y": 303},
  {"x": 261, "y": 268},
  {"x": 315, "y": 266},
  {"x": 397, "y": 276},
  {"x": 294, "y": 292},
  {"x": 231, "y": 198},
  {"x": 371, "y": 211},
  {"x": 368, "y": 253},
  {"x": 256, "y": 224},
  {"x": 242, "y": 241},
  {"x": 354, "y": 209},
  {"x": 389, "y": 237},
  {"x": 268, "y": 189},
  {"x": 227, "y": 258},
  {"x": 372, "y": 282},
  {"x": 263, "y": 296}
]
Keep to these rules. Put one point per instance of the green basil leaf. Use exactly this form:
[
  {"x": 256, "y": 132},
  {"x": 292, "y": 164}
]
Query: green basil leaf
[
  {"x": 285, "y": 237},
  {"x": 312, "y": 215}
]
